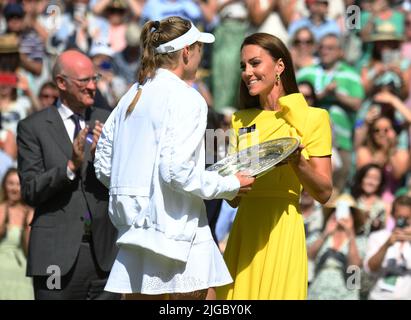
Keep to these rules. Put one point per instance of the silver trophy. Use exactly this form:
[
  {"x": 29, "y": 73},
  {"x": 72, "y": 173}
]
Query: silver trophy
[{"x": 259, "y": 159}]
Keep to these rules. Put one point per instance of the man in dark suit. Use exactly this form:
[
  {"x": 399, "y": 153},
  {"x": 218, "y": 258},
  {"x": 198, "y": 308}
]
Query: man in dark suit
[{"x": 71, "y": 235}]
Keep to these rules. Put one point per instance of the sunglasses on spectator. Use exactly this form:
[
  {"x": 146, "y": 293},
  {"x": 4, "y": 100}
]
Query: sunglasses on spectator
[
  {"x": 329, "y": 48},
  {"x": 48, "y": 96},
  {"x": 300, "y": 41},
  {"x": 116, "y": 11}
]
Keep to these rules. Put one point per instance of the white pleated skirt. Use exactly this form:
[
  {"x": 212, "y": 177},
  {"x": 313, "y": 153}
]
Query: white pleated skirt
[{"x": 138, "y": 270}]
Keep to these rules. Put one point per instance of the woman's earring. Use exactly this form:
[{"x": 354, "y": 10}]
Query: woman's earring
[{"x": 277, "y": 78}]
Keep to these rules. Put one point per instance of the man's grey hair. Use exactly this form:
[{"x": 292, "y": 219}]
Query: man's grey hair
[{"x": 340, "y": 41}]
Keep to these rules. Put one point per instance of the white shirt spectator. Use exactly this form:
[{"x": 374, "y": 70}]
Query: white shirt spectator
[{"x": 390, "y": 287}]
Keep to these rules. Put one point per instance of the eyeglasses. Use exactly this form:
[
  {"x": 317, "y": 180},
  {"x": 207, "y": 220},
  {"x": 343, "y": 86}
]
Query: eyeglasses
[
  {"x": 300, "y": 41},
  {"x": 384, "y": 130},
  {"x": 84, "y": 81}
]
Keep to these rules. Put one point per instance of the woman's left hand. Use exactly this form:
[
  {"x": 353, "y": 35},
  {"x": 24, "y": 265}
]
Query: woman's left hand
[
  {"x": 295, "y": 157},
  {"x": 292, "y": 158}
]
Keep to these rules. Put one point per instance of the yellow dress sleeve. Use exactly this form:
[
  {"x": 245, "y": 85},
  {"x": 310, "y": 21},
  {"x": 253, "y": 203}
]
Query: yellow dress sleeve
[
  {"x": 233, "y": 139},
  {"x": 318, "y": 138}
]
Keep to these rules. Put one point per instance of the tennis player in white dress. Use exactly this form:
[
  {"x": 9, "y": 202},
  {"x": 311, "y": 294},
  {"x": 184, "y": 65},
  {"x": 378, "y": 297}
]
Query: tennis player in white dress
[{"x": 151, "y": 157}]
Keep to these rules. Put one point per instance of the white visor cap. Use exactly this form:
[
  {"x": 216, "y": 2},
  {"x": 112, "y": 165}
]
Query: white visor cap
[{"x": 187, "y": 39}]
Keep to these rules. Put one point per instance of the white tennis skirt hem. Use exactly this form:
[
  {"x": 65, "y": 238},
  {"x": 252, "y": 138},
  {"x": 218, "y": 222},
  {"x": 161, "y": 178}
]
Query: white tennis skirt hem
[{"x": 138, "y": 270}]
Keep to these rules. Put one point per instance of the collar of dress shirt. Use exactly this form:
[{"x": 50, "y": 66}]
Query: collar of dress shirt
[{"x": 66, "y": 112}]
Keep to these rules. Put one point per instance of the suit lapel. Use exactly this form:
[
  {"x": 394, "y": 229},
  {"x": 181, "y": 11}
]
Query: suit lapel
[
  {"x": 58, "y": 131},
  {"x": 90, "y": 117}
]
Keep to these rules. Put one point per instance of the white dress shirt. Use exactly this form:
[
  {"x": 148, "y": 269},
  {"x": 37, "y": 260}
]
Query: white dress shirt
[
  {"x": 400, "y": 286},
  {"x": 65, "y": 114}
]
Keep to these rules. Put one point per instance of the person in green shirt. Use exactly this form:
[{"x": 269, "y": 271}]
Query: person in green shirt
[{"x": 339, "y": 90}]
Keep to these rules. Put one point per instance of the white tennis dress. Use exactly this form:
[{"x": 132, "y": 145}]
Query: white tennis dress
[
  {"x": 153, "y": 163},
  {"x": 141, "y": 270}
]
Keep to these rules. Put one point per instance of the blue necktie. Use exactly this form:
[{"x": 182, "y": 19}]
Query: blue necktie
[{"x": 77, "y": 128}]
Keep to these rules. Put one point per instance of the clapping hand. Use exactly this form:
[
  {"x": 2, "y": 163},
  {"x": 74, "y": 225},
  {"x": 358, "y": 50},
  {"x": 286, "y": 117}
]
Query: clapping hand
[
  {"x": 77, "y": 157},
  {"x": 98, "y": 128}
]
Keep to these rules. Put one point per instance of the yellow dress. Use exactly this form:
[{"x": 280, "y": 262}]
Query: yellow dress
[{"x": 266, "y": 251}]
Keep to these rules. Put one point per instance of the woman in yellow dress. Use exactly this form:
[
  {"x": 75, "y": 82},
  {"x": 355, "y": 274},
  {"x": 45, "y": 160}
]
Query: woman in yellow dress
[{"x": 266, "y": 251}]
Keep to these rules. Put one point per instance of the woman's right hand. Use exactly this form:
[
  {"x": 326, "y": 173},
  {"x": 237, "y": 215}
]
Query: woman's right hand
[{"x": 246, "y": 182}]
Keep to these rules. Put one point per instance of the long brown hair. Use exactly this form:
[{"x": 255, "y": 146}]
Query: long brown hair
[
  {"x": 370, "y": 139},
  {"x": 277, "y": 49},
  {"x": 153, "y": 34}
]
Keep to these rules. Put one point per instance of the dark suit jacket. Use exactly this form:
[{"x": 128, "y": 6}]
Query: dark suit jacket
[{"x": 44, "y": 148}]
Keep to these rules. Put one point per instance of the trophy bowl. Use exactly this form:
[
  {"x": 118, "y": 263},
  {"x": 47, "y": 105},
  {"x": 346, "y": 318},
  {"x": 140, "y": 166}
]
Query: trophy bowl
[{"x": 257, "y": 159}]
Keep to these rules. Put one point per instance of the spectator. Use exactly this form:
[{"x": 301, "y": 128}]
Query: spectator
[
  {"x": 406, "y": 45},
  {"x": 353, "y": 46},
  {"x": 160, "y": 9},
  {"x": 6, "y": 162},
  {"x": 15, "y": 218},
  {"x": 383, "y": 100},
  {"x": 31, "y": 46},
  {"x": 313, "y": 223},
  {"x": 339, "y": 90},
  {"x": 115, "y": 13},
  {"x": 303, "y": 48},
  {"x": 381, "y": 148},
  {"x": 127, "y": 61},
  {"x": 337, "y": 247},
  {"x": 71, "y": 227},
  {"x": 317, "y": 20},
  {"x": 8, "y": 143},
  {"x": 135, "y": 6},
  {"x": 13, "y": 107},
  {"x": 48, "y": 95},
  {"x": 386, "y": 57},
  {"x": 377, "y": 13},
  {"x": 367, "y": 187},
  {"x": 33, "y": 18},
  {"x": 229, "y": 33},
  {"x": 307, "y": 90},
  {"x": 389, "y": 255},
  {"x": 111, "y": 86},
  {"x": 79, "y": 28},
  {"x": 9, "y": 53},
  {"x": 272, "y": 16}
]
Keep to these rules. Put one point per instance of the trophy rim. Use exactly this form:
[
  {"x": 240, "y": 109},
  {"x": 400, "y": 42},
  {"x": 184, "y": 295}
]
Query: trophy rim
[{"x": 232, "y": 161}]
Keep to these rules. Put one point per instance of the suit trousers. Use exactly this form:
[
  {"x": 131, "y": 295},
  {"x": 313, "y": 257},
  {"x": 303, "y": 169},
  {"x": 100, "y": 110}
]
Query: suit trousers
[{"x": 85, "y": 281}]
